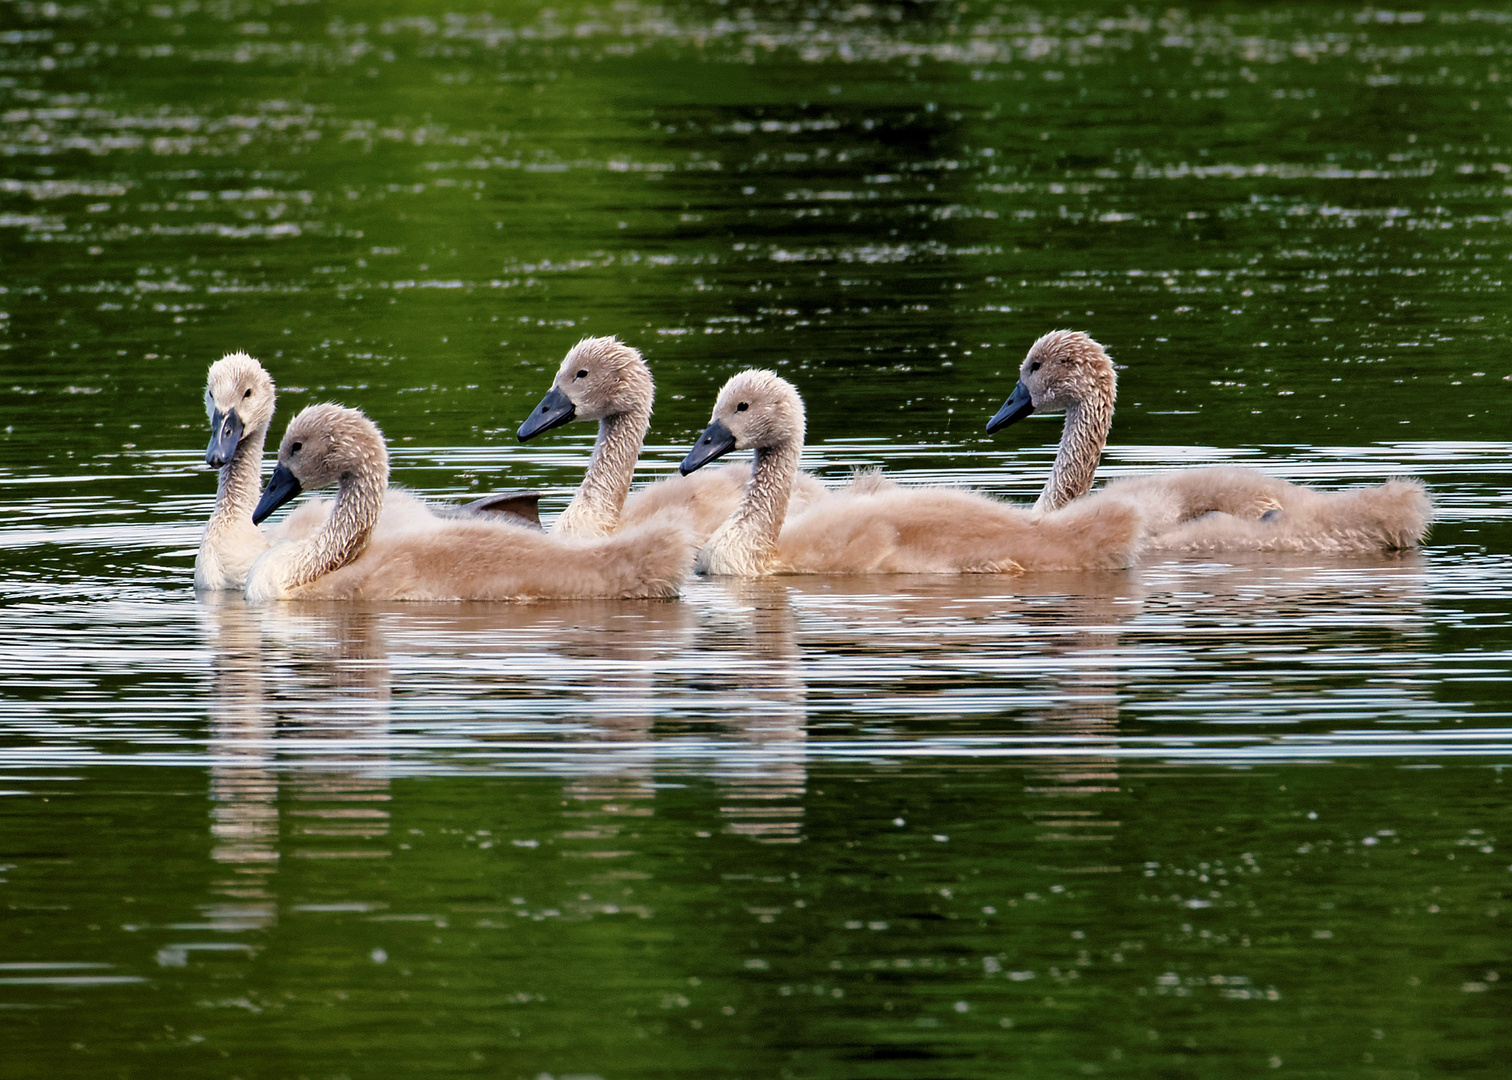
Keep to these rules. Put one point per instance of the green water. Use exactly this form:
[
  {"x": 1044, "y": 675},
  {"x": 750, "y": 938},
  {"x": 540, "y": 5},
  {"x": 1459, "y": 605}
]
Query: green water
[
  {"x": 1206, "y": 921},
  {"x": 1198, "y": 819}
]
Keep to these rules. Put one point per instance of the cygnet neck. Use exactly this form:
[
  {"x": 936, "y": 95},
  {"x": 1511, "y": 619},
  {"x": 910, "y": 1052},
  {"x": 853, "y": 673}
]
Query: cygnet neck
[
  {"x": 595, "y": 509},
  {"x": 240, "y": 482},
  {"x": 230, "y": 541},
  {"x": 1081, "y": 445},
  {"x": 745, "y": 544},
  {"x": 359, "y": 501}
]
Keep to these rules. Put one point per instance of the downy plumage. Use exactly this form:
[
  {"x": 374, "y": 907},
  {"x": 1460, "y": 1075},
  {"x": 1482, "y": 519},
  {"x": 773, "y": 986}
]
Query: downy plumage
[
  {"x": 874, "y": 525},
  {"x": 240, "y": 399},
  {"x": 604, "y": 380},
  {"x": 453, "y": 559},
  {"x": 1208, "y": 509}
]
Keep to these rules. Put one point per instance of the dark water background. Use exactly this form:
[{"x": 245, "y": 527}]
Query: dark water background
[{"x": 1198, "y": 819}]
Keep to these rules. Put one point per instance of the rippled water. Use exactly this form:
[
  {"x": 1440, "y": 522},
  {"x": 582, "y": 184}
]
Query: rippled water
[{"x": 1233, "y": 817}]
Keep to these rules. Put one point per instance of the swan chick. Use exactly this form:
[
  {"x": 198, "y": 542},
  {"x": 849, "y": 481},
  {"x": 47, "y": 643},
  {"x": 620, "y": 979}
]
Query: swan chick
[
  {"x": 873, "y": 525},
  {"x": 451, "y": 559},
  {"x": 239, "y": 402},
  {"x": 605, "y": 381},
  {"x": 761, "y": 411},
  {"x": 602, "y": 380},
  {"x": 1209, "y": 509}
]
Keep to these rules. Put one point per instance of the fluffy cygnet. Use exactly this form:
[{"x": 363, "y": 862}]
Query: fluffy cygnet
[
  {"x": 456, "y": 559},
  {"x": 1209, "y": 509}
]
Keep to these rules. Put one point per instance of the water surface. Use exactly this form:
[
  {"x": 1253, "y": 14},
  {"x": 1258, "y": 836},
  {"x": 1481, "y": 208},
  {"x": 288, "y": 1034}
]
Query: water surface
[{"x": 1237, "y": 817}]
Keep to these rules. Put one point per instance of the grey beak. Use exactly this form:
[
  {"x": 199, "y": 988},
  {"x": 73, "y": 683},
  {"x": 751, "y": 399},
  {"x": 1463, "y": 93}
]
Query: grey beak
[
  {"x": 554, "y": 410},
  {"x": 281, "y": 488},
  {"x": 1018, "y": 406},
  {"x": 715, "y": 442},
  {"x": 225, "y": 433}
]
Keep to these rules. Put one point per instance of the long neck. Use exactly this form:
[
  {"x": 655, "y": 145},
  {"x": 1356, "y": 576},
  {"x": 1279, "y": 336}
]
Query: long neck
[
  {"x": 359, "y": 501},
  {"x": 1081, "y": 447},
  {"x": 595, "y": 509},
  {"x": 240, "y": 481},
  {"x": 231, "y": 542},
  {"x": 747, "y": 541}
]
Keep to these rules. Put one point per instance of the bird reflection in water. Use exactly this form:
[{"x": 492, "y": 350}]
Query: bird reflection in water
[
  {"x": 744, "y": 681},
  {"x": 614, "y": 650},
  {"x": 299, "y": 707},
  {"x": 243, "y": 783},
  {"x": 749, "y": 635},
  {"x": 1035, "y": 659},
  {"x": 1268, "y": 639},
  {"x": 1076, "y": 630},
  {"x": 336, "y": 715}
]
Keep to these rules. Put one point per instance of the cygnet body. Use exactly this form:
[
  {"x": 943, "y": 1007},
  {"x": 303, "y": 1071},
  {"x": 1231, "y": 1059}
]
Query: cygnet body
[
  {"x": 449, "y": 559},
  {"x": 874, "y": 525},
  {"x": 1209, "y": 509},
  {"x": 603, "y": 380}
]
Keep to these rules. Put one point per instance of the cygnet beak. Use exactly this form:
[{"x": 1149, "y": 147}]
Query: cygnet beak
[
  {"x": 555, "y": 409},
  {"x": 225, "y": 433},
  {"x": 281, "y": 488},
  {"x": 715, "y": 442},
  {"x": 1018, "y": 406}
]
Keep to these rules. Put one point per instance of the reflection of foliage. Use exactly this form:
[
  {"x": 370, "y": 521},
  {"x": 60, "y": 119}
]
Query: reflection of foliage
[
  {"x": 879, "y": 198},
  {"x": 929, "y": 910}
]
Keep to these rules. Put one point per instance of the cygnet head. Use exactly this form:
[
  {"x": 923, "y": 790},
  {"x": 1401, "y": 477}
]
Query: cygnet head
[
  {"x": 239, "y": 397},
  {"x": 600, "y": 377},
  {"x": 757, "y": 410},
  {"x": 324, "y": 445},
  {"x": 1064, "y": 368}
]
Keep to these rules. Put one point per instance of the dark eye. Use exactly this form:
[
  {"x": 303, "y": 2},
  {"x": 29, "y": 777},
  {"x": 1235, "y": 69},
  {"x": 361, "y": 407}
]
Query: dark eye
[
  {"x": 583, "y": 374},
  {"x": 1034, "y": 366},
  {"x": 295, "y": 448},
  {"x": 743, "y": 406},
  {"x": 248, "y": 393}
]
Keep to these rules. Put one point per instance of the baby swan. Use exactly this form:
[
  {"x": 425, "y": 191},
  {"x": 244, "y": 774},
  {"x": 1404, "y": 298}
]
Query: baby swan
[
  {"x": 873, "y": 525},
  {"x": 1215, "y": 508},
  {"x": 604, "y": 380},
  {"x": 453, "y": 559},
  {"x": 239, "y": 399}
]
